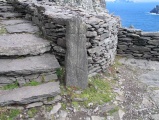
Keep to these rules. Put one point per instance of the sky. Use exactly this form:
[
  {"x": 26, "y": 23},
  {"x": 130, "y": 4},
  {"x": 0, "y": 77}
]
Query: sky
[{"x": 140, "y": 0}]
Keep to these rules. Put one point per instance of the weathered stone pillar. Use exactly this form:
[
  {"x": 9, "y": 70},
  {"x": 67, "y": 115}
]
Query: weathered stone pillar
[{"x": 76, "y": 55}]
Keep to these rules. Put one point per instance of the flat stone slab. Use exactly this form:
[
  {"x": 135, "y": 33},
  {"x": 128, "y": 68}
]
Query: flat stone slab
[
  {"x": 14, "y": 21},
  {"x": 155, "y": 97},
  {"x": 6, "y": 8},
  {"x": 29, "y": 94},
  {"x": 10, "y": 15},
  {"x": 22, "y": 28},
  {"x": 29, "y": 65},
  {"x": 22, "y": 44},
  {"x": 143, "y": 64},
  {"x": 151, "y": 78}
]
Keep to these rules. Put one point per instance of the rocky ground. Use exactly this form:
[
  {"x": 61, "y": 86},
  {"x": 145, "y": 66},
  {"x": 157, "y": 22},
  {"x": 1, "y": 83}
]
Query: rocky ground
[{"x": 134, "y": 84}]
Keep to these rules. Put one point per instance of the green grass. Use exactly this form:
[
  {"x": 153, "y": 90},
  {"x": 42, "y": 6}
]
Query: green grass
[
  {"x": 98, "y": 92},
  {"x": 32, "y": 83},
  {"x": 10, "y": 86},
  {"x": 60, "y": 74},
  {"x": 75, "y": 104},
  {"x": 50, "y": 99},
  {"x": 2, "y": 30},
  {"x": 48, "y": 108},
  {"x": 113, "y": 110},
  {"x": 16, "y": 85},
  {"x": 8, "y": 114},
  {"x": 32, "y": 112},
  {"x": 63, "y": 106}
]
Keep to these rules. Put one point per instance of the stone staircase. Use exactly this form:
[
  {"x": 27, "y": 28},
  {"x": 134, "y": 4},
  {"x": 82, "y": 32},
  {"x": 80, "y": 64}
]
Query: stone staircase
[{"x": 24, "y": 57}]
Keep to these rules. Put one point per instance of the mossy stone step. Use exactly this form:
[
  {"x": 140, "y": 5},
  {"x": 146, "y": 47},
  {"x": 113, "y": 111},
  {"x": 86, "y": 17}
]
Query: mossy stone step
[
  {"x": 28, "y": 65},
  {"x": 29, "y": 94}
]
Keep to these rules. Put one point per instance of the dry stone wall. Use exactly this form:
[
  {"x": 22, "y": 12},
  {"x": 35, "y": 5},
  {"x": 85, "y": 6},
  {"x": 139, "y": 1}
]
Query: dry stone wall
[
  {"x": 101, "y": 34},
  {"x": 138, "y": 44}
]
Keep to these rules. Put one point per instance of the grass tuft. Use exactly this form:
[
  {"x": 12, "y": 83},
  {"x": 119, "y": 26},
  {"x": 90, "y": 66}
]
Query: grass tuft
[
  {"x": 8, "y": 114},
  {"x": 32, "y": 112},
  {"x": 98, "y": 92},
  {"x": 2, "y": 30},
  {"x": 32, "y": 83},
  {"x": 61, "y": 74},
  {"x": 113, "y": 110},
  {"x": 11, "y": 86}
]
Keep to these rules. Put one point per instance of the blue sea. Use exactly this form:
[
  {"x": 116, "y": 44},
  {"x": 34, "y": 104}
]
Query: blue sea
[{"x": 136, "y": 14}]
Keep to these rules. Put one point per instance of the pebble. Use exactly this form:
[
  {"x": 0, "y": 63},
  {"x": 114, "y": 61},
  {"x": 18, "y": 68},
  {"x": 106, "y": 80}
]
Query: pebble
[{"x": 55, "y": 109}]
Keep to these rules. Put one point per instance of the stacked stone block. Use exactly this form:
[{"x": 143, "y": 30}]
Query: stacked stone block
[{"x": 138, "y": 44}]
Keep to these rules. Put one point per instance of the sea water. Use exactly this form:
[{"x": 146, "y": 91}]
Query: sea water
[{"x": 136, "y": 14}]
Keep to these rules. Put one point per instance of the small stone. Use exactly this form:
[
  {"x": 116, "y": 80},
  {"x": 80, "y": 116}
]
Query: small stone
[
  {"x": 120, "y": 98},
  {"x": 55, "y": 109},
  {"x": 90, "y": 104},
  {"x": 56, "y": 99},
  {"x": 96, "y": 109},
  {"x": 104, "y": 36},
  {"x": 91, "y": 33},
  {"x": 78, "y": 92},
  {"x": 88, "y": 118},
  {"x": 155, "y": 116},
  {"x": 121, "y": 114},
  {"x": 37, "y": 104},
  {"x": 62, "y": 114},
  {"x": 97, "y": 118}
]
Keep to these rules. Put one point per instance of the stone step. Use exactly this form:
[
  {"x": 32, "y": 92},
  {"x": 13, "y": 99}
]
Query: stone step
[
  {"x": 22, "y": 44},
  {"x": 28, "y": 65},
  {"x": 9, "y": 15},
  {"x": 29, "y": 94},
  {"x": 22, "y": 28},
  {"x": 6, "y": 8},
  {"x": 13, "y": 22}
]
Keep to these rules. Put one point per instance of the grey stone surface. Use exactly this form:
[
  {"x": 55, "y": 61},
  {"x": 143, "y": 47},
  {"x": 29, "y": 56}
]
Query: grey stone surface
[
  {"x": 153, "y": 34},
  {"x": 97, "y": 118},
  {"x": 22, "y": 28},
  {"x": 76, "y": 56},
  {"x": 6, "y": 8},
  {"x": 155, "y": 116},
  {"x": 36, "y": 104},
  {"x": 151, "y": 78},
  {"x": 155, "y": 97},
  {"x": 55, "y": 109},
  {"x": 91, "y": 33},
  {"x": 23, "y": 44},
  {"x": 6, "y": 15},
  {"x": 143, "y": 64},
  {"x": 26, "y": 95},
  {"x": 6, "y": 80},
  {"x": 13, "y": 21},
  {"x": 29, "y": 65}
]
